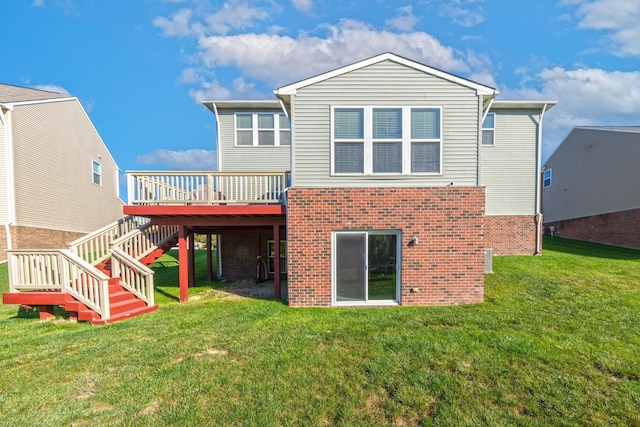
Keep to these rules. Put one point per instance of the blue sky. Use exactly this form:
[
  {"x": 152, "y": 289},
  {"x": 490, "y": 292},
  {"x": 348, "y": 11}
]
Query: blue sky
[{"x": 140, "y": 67}]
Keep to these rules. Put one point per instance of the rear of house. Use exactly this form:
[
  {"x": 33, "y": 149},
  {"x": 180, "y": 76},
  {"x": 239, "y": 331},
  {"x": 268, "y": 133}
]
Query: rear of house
[
  {"x": 58, "y": 180},
  {"x": 401, "y": 176},
  {"x": 591, "y": 189}
]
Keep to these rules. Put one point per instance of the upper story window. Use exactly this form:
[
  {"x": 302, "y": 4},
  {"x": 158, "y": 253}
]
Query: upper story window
[
  {"x": 386, "y": 140},
  {"x": 97, "y": 173},
  {"x": 268, "y": 129},
  {"x": 546, "y": 178},
  {"x": 489, "y": 129}
]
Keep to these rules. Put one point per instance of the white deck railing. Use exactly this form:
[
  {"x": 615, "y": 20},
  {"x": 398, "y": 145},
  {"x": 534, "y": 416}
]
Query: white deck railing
[
  {"x": 144, "y": 240},
  {"x": 94, "y": 247},
  {"x": 205, "y": 187},
  {"x": 59, "y": 270},
  {"x": 134, "y": 276}
]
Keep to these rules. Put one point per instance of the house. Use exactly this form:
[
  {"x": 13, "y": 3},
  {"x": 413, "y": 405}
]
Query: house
[
  {"x": 384, "y": 182},
  {"x": 57, "y": 178},
  {"x": 590, "y": 186},
  {"x": 398, "y": 178}
]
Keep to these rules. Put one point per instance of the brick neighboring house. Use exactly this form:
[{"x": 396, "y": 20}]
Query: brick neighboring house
[
  {"x": 590, "y": 186},
  {"x": 58, "y": 180},
  {"x": 379, "y": 183}
]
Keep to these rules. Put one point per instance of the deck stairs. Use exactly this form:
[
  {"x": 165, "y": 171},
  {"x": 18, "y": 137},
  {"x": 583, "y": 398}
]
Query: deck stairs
[{"x": 100, "y": 278}]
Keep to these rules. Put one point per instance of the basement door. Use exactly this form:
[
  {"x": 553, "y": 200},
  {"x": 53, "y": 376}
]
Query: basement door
[{"x": 365, "y": 267}]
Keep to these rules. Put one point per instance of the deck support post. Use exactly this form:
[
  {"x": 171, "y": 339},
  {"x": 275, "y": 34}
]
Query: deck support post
[
  {"x": 209, "y": 260},
  {"x": 46, "y": 312},
  {"x": 183, "y": 268},
  {"x": 192, "y": 258},
  {"x": 276, "y": 261}
]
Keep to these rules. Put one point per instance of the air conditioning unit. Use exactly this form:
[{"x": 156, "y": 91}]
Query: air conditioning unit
[{"x": 488, "y": 260}]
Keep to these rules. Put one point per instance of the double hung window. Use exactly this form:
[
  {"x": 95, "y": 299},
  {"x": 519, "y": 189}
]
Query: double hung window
[
  {"x": 489, "y": 129},
  {"x": 257, "y": 129},
  {"x": 96, "y": 169},
  {"x": 386, "y": 140},
  {"x": 546, "y": 177}
]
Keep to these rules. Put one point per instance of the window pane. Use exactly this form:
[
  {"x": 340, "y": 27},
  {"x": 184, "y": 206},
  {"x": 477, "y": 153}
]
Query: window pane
[
  {"x": 489, "y": 121},
  {"x": 349, "y": 157},
  {"x": 387, "y": 123},
  {"x": 487, "y": 137},
  {"x": 348, "y": 123},
  {"x": 284, "y": 122},
  {"x": 387, "y": 157},
  {"x": 266, "y": 137},
  {"x": 245, "y": 137},
  {"x": 425, "y": 157},
  {"x": 382, "y": 266},
  {"x": 244, "y": 121},
  {"x": 425, "y": 123},
  {"x": 265, "y": 121},
  {"x": 97, "y": 175},
  {"x": 350, "y": 266},
  {"x": 285, "y": 137}
]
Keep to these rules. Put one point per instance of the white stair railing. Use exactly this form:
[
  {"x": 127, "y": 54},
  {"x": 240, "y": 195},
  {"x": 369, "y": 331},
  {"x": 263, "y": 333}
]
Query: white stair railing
[
  {"x": 59, "y": 270},
  {"x": 135, "y": 277},
  {"x": 94, "y": 247}
]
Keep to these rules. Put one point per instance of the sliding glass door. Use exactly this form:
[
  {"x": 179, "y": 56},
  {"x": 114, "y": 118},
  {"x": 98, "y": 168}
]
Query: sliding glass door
[{"x": 366, "y": 267}]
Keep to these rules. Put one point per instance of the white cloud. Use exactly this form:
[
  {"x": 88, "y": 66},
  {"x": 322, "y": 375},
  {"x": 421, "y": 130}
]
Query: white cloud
[
  {"x": 404, "y": 21},
  {"x": 235, "y": 15},
  {"x": 38, "y": 3},
  {"x": 461, "y": 12},
  {"x": 52, "y": 88},
  {"x": 278, "y": 60},
  {"x": 196, "y": 159},
  {"x": 587, "y": 96},
  {"x": 303, "y": 5},
  {"x": 178, "y": 25},
  {"x": 617, "y": 17}
]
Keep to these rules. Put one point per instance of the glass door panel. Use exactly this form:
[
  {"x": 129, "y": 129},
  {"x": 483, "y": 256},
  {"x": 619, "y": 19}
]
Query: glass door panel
[
  {"x": 351, "y": 267},
  {"x": 382, "y": 277}
]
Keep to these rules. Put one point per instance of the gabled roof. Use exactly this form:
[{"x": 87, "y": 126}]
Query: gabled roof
[
  {"x": 292, "y": 88},
  {"x": 14, "y": 94}
]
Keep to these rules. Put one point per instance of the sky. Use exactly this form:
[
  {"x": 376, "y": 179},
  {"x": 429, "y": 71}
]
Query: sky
[{"x": 141, "y": 67}]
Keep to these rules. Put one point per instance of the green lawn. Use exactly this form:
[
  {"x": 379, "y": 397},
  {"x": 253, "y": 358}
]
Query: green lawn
[{"x": 557, "y": 342}]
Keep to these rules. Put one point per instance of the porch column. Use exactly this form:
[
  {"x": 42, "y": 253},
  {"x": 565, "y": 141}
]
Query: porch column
[
  {"x": 209, "y": 261},
  {"x": 183, "y": 261},
  {"x": 276, "y": 261},
  {"x": 192, "y": 258}
]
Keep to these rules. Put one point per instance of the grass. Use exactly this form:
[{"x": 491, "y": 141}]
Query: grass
[{"x": 556, "y": 343}]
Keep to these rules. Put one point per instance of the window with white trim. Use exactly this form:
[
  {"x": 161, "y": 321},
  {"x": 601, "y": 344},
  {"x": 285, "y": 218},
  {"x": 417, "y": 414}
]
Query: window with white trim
[
  {"x": 96, "y": 169},
  {"x": 386, "y": 140},
  {"x": 489, "y": 129},
  {"x": 546, "y": 178},
  {"x": 262, "y": 129}
]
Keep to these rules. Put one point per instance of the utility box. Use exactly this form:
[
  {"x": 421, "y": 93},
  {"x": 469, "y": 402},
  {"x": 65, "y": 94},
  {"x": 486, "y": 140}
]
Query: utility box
[{"x": 488, "y": 260}]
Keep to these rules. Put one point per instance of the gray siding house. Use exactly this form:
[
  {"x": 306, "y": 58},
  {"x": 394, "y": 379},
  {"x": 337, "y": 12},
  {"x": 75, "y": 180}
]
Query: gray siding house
[
  {"x": 58, "y": 180},
  {"x": 398, "y": 170},
  {"x": 590, "y": 186}
]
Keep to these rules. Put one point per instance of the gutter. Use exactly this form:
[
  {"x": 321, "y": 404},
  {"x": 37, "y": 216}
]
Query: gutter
[{"x": 538, "y": 216}]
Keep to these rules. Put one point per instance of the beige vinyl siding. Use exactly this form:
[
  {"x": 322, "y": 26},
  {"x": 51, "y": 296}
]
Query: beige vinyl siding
[
  {"x": 594, "y": 171},
  {"x": 4, "y": 191},
  {"x": 54, "y": 146},
  {"x": 248, "y": 158},
  {"x": 508, "y": 168},
  {"x": 384, "y": 84}
]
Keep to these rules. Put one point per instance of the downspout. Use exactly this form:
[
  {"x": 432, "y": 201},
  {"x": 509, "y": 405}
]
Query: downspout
[
  {"x": 8, "y": 139},
  {"x": 538, "y": 216},
  {"x": 218, "y": 236}
]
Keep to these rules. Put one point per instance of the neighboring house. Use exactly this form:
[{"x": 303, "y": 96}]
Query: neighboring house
[
  {"x": 399, "y": 176},
  {"x": 590, "y": 186},
  {"x": 58, "y": 180}
]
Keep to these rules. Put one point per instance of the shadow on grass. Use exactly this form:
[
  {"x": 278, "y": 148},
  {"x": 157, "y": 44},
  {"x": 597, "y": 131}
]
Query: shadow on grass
[{"x": 589, "y": 249}]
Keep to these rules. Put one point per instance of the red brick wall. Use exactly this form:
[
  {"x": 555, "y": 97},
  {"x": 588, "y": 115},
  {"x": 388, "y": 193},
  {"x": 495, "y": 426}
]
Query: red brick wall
[
  {"x": 617, "y": 228},
  {"x": 36, "y": 238},
  {"x": 239, "y": 251},
  {"x": 445, "y": 267},
  {"x": 510, "y": 235}
]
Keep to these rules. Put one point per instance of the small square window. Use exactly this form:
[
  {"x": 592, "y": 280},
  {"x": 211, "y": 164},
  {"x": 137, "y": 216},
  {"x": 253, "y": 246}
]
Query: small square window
[{"x": 97, "y": 173}]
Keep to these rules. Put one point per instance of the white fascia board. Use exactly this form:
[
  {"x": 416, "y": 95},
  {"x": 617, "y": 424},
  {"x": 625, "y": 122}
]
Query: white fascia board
[
  {"x": 502, "y": 104},
  {"x": 242, "y": 104},
  {"x": 40, "y": 101},
  {"x": 292, "y": 88}
]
